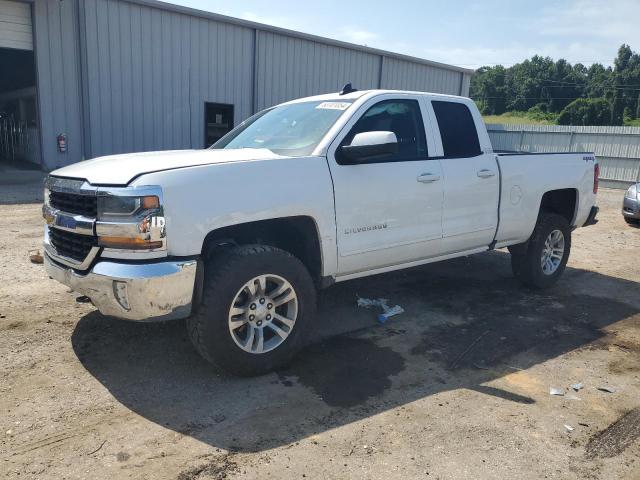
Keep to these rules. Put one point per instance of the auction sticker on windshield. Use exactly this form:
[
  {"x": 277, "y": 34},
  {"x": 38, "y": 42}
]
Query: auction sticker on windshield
[{"x": 334, "y": 105}]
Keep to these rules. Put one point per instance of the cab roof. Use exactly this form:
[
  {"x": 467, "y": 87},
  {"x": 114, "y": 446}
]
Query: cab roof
[{"x": 336, "y": 97}]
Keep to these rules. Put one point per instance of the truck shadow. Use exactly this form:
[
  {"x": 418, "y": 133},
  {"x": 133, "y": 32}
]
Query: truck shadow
[{"x": 467, "y": 322}]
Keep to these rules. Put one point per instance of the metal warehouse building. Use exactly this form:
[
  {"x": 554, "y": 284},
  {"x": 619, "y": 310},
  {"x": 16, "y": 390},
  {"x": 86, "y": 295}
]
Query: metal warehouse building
[{"x": 84, "y": 78}]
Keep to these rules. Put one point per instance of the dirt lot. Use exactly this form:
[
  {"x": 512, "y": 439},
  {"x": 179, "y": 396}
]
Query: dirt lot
[{"x": 456, "y": 387}]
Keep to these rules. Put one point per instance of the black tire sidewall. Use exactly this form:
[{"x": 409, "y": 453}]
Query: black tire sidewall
[
  {"x": 224, "y": 277},
  {"x": 529, "y": 268}
]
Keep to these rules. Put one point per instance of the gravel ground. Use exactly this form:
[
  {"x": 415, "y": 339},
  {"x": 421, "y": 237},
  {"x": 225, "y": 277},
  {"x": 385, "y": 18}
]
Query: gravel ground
[{"x": 456, "y": 387}]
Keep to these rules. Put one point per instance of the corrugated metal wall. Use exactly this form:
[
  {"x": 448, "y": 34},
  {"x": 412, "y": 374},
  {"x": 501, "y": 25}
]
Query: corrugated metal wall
[
  {"x": 617, "y": 148},
  {"x": 15, "y": 25},
  {"x": 149, "y": 73},
  {"x": 404, "y": 75},
  {"x": 289, "y": 68},
  {"x": 140, "y": 73},
  {"x": 58, "y": 71}
]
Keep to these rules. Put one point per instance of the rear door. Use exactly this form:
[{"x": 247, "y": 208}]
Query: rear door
[
  {"x": 471, "y": 179},
  {"x": 388, "y": 211}
]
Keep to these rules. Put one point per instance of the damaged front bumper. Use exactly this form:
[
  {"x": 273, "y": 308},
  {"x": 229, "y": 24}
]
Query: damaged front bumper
[{"x": 160, "y": 290}]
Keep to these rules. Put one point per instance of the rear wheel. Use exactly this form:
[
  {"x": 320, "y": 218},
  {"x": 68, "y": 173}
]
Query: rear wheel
[
  {"x": 257, "y": 304},
  {"x": 541, "y": 261}
]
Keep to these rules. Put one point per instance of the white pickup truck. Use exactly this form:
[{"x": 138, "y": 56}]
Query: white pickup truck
[{"x": 239, "y": 237}]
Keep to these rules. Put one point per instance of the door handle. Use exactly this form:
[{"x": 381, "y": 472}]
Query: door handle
[
  {"x": 428, "y": 178},
  {"x": 486, "y": 173}
]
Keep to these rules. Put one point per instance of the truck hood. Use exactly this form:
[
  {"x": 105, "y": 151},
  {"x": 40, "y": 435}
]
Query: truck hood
[{"x": 122, "y": 169}]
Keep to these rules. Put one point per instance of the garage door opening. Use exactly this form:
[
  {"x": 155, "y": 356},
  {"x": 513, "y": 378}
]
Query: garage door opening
[{"x": 19, "y": 134}]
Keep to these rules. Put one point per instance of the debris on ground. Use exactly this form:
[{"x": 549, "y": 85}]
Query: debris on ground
[
  {"x": 607, "y": 389},
  {"x": 556, "y": 391},
  {"x": 387, "y": 312},
  {"x": 577, "y": 386},
  {"x": 36, "y": 257},
  {"x": 568, "y": 427},
  {"x": 97, "y": 449},
  {"x": 396, "y": 310},
  {"x": 481, "y": 367},
  {"x": 83, "y": 299},
  {"x": 468, "y": 349}
]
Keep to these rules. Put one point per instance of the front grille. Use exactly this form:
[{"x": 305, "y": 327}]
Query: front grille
[
  {"x": 72, "y": 245},
  {"x": 86, "y": 205}
]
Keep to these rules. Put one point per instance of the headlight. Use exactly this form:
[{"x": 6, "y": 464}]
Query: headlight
[
  {"x": 125, "y": 206},
  {"x": 131, "y": 222},
  {"x": 632, "y": 192},
  {"x": 47, "y": 192}
]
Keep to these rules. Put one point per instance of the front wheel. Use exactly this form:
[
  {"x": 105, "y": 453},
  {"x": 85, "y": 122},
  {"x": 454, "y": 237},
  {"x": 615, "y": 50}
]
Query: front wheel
[
  {"x": 257, "y": 304},
  {"x": 542, "y": 260}
]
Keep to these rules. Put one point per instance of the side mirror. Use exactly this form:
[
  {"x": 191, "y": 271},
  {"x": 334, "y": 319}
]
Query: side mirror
[{"x": 368, "y": 146}]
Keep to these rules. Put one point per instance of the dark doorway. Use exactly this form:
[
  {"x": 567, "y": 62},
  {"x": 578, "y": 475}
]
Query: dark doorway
[
  {"x": 19, "y": 135},
  {"x": 218, "y": 121}
]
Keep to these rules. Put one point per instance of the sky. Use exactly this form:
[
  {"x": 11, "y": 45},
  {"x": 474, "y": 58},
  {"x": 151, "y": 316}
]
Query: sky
[{"x": 468, "y": 34}]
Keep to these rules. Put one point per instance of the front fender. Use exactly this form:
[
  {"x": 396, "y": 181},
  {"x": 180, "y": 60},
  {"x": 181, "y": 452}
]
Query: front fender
[{"x": 201, "y": 199}]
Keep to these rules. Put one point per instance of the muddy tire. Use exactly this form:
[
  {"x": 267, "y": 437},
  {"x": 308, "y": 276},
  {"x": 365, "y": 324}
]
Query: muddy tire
[
  {"x": 632, "y": 221},
  {"x": 540, "y": 262},
  {"x": 257, "y": 306}
]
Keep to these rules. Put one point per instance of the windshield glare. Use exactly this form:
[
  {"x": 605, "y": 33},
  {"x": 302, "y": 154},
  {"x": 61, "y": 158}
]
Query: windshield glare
[{"x": 292, "y": 130}]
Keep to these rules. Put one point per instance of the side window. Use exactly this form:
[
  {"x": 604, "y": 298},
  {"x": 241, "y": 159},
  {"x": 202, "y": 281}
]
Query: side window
[
  {"x": 401, "y": 117},
  {"x": 457, "y": 129}
]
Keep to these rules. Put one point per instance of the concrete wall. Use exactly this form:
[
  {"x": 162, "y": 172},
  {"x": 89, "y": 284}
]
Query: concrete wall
[{"x": 617, "y": 148}]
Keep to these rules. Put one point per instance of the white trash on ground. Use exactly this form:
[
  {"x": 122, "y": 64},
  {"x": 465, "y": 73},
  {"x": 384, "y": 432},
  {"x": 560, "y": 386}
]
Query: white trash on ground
[{"x": 387, "y": 311}]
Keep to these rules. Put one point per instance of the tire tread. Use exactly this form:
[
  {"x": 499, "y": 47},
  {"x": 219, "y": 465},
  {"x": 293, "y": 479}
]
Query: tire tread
[
  {"x": 525, "y": 261},
  {"x": 219, "y": 268}
]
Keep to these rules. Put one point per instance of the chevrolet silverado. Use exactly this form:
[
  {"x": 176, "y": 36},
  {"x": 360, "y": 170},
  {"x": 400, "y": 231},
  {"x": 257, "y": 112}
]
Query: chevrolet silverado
[{"x": 239, "y": 237}]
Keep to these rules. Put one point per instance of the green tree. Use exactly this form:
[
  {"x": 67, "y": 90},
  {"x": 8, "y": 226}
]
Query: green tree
[
  {"x": 626, "y": 84},
  {"x": 487, "y": 88},
  {"x": 526, "y": 83},
  {"x": 544, "y": 87},
  {"x": 599, "y": 82},
  {"x": 586, "y": 111}
]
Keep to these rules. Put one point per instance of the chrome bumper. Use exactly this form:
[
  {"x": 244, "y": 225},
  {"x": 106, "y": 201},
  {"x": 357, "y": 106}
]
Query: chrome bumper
[{"x": 134, "y": 291}]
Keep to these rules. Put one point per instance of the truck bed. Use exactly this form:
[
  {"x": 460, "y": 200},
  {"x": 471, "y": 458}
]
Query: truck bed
[{"x": 526, "y": 176}]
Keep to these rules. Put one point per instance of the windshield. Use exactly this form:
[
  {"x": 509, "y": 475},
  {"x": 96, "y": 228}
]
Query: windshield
[{"x": 292, "y": 130}]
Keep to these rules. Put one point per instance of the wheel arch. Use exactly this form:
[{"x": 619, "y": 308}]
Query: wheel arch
[
  {"x": 563, "y": 201},
  {"x": 298, "y": 235}
]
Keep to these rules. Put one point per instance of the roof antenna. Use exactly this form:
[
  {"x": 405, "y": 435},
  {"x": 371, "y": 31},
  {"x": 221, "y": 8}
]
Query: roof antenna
[{"x": 348, "y": 89}]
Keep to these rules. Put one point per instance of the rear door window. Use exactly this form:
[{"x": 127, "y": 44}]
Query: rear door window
[{"x": 457, "y": 129}]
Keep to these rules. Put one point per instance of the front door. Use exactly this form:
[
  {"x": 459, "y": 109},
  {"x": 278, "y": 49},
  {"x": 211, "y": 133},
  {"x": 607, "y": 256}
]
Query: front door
[{"x": 388, "y": 211}]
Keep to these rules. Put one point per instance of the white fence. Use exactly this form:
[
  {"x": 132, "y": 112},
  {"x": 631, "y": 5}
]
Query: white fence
[{"x": 617, "y": 148}]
